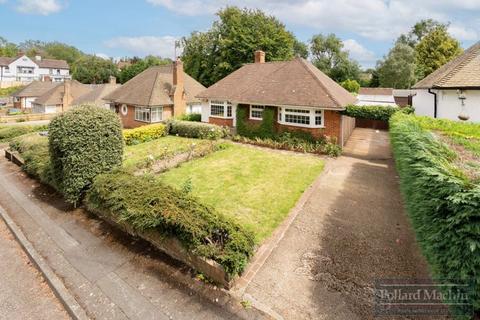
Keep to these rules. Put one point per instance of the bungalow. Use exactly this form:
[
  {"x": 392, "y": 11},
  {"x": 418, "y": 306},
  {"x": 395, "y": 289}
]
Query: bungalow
[
  {"x": 60, "y": 98},
  {"x": 24, "y": 98},
  {"x": 452, "y": 91},
  {"x": 302, "y": 97},
  {"x": 155, "y": 95}
]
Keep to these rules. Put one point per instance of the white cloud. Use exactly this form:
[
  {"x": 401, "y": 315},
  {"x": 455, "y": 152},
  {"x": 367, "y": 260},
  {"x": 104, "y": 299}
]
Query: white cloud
[
  {"x": 360, "y": 53},
  {"x": 41, "y": 7},
  {"x": 463, "y": 33},
  {"x": 145, "y": 45},
  {"x": 102, "y": 55}
]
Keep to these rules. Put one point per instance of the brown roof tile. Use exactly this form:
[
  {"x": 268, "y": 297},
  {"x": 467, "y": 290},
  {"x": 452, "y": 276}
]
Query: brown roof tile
[
  {"x": 55, "y": 95},
  {"x": 376, "y": 91},
  {"x": 96, "y": 94},
  {"x": 461, "y": 72},
  {"x": 52, "y": 64},
  {"x": 36, "y": 89},
  {"x": 296, "y": 82}
]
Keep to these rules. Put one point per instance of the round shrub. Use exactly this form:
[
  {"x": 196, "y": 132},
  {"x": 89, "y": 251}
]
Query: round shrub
[{"x": 83, "y": 142}]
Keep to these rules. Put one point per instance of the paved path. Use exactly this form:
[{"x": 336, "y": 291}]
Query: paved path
[
  {"x": 111, "y": 275},
  {"x": 23, "y": 292},
  {"x": 351, "y": 231}
]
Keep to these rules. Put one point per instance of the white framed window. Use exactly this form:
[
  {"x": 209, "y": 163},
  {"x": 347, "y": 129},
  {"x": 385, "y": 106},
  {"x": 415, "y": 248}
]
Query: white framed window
[
  {"x": 157, "y": 114},
  {"x": 256, "y": 112},
  {"x": 142, "y": 114},
  {"x": 300, "y": 117},
  {"x": 221, "y": 109}
]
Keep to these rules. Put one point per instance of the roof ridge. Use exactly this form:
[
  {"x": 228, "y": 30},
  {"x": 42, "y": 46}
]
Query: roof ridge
[
  {"x": 303, "y": 63},
  {"x": 153, "y": 88},
  {"x": 470, "y": 56}
]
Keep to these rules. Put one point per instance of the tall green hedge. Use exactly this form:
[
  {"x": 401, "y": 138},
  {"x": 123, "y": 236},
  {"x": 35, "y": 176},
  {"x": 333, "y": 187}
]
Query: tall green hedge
[
  {"x": 442, "y": 202},
  {"x": 373, "y": 112},
  {"x": 200, "y": 130},
  {"x": 83, "y": 142},
  {"x": 148, "y": 204}
]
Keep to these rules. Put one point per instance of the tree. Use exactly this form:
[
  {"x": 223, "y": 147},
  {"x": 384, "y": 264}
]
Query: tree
[
  {"x": 300, "y": 49},
  {"x": 419, "y": 31},
  {"x": 397, "y": 69},
  {"x": 434, "y": 50},
  {"x": 62, "y": 51},
  {"x": 7, "y": 49},
  {"x": 232, "y": 40},
  {"x": 350, "y": 85},
  {"x": 92, "y": 69},
  {"x": 330, "y": 57},
  {"x": 132, "y": 70}
]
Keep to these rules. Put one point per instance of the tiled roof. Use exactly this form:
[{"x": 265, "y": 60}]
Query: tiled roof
[
  {"x": 154, "y": 87},
  {"x": 55, "y": 95},
  {"x": 461, "y": 72},
  {"x": 36, "y": 89},
  {"x": 296, "y": 83},
  {"x": 376, "y": 91},
  {"x": 44, "y": 63},
  {"x": 96, "y": 94}
]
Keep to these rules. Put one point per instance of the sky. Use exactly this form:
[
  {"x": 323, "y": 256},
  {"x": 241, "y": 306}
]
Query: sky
[{"x": 117, "y": 28}]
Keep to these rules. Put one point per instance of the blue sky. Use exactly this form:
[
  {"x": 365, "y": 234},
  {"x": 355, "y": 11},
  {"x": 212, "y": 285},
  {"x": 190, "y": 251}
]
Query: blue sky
[{"x": 127, "y": 27}]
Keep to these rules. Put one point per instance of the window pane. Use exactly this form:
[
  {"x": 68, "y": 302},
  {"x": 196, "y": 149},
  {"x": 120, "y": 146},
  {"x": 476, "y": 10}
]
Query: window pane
[
  {"x": 318, "y": 120},
  {"x": 216, "y": 110},
  {"x": 299, "y": 119},
  {"x": 229, "y": 110},
  {"x": 297, "y": 110}
]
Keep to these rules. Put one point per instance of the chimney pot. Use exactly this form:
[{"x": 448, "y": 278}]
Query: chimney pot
[{"x": 259, "y": 56}]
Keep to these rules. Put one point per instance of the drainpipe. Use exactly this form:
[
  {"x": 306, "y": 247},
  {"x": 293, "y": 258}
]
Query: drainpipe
[{"x": 434, "y": 102}]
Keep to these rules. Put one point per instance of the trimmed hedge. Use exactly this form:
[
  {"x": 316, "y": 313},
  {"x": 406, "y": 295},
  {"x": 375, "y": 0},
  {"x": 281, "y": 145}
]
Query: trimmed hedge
[
  {"x": 11, "y": 131},
  {"x": 145, "y": 204},
  {"x": 196, "y": 130},
  {"x": 144, "y": 133},
  {"x": 382, "y": 113},
  {"x": 195, "y": 117},
  {"x": 442, "y": 202},
  {"x": 83, "y": 142}
]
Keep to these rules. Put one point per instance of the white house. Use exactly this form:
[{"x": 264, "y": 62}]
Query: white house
[
  {"x": 22, "y": 69},
  {"x": 452, "y": 91}
]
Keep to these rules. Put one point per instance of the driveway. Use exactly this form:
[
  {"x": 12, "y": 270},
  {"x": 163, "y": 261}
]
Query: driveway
[{"x": 351, "y": 231}]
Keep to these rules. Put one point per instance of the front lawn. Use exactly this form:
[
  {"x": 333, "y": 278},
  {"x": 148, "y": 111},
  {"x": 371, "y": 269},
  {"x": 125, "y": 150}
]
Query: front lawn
[{"x": 255, "y": 186}]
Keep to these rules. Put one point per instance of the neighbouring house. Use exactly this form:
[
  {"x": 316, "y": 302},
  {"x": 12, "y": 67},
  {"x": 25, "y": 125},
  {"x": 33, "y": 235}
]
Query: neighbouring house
[
  {"x": 97, "y": 94},
  {"x": 452, "y": 91},
  {"x": 24, "y": 98},
  {"x": 303, "y": 98},
  {"x": 61, "y": 97},
  {"x": 156, "y": 94},
  {"x": 22, "y": 69},
  {"x": 376, "y": 96}
]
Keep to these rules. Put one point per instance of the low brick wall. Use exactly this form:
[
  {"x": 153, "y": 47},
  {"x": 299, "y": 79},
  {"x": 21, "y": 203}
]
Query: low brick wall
[{"x": 221, "y": 122}]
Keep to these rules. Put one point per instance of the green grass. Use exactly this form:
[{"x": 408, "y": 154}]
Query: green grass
[
  {"x": 138, "y": 156},
  {"x": 256, "y": 187},
  {"x": 8, "y": 132},
  {"x": 5, "y": 92},
  {"x": 466, "y": 134}
]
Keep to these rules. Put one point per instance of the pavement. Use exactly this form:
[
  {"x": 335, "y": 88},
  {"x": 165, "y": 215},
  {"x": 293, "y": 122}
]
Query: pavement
[
  {"x": 110, "y": 274},
  {"x": 351, "y": 231},
  {"x": 24, "y": 294}
]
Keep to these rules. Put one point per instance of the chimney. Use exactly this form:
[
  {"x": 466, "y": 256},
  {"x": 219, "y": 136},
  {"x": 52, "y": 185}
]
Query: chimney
[
  {"x": 179, "y": 101},
  {"x": 112, "y": 80},
  {"x": 67, "y": 95},
  {"x": 259, "y": 56},
  {"x": 38, "y": 58}
]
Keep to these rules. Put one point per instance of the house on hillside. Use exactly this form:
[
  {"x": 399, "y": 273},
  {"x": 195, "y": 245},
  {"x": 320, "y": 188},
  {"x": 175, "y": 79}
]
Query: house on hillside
[
  {"x": 22, "y": 69},
  {"x": 302, "y": 97},
  {"x": 156, "y": 94},
  {"x": 452, "y": 91},
  {"x": 376, "y": 96},
  {"x": 24, "y": 98}
]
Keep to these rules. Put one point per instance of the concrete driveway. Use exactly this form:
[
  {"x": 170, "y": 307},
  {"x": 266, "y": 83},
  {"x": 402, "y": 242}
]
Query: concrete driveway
[{"x": 351, "y": 231}]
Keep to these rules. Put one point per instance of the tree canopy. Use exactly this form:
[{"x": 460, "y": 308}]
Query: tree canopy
[
  {"x": 140, "y": 65},
  {"x": 7, "y": 49},
  {"x": 92, "y": 69},
  {"x": 232, "y": 40},
  {"x": 330, "y": 57},
  {"x": 397, "y": 70}
]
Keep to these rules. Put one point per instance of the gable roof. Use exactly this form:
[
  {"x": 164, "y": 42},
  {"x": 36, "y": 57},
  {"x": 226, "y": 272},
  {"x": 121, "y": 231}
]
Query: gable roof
[
  {"x": 461, "y": 72},
  {"x": 376, "y": 91},
  {"x": 296, "y": 83},
  {"x": 44, "y": 63},
  {"x": 55, "y": 95},
  {"x": 36, "y": 89},
  {"x": 96, "y": 94},
  {"x": 154, "y": 87},
  {"x": 5, "y": 61}
]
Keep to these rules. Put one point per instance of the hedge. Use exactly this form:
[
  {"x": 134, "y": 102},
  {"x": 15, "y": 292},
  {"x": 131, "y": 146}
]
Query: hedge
[
  {"x": 373, "y": 112},
  {"x": 145, "y": 204},
  {"x": 196, "y": 130},
  {"x": 11, "y": 131},
  {"x": 195, "y": 117},
  {"x": 144, "y": 133},
  {"x": 83, "y": 142},
  {"x": 442, "y": 202}
]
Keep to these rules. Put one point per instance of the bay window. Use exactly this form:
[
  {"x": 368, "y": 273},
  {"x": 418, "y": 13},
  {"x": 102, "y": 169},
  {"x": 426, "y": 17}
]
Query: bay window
[
  {"x": 150, "y": 115},
  {"x": 311, "y": 118},
  {"x": 221, "y": 109},
  {"x": 256, "y": 112}
]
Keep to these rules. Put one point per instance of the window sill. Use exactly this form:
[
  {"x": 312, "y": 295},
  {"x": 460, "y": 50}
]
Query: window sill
[
  {"x": 220, "y": 117},
  {"x": 256, "y": 119},
  {"x": 301, "y": 125},
  {"x": 142, "y": 121}
]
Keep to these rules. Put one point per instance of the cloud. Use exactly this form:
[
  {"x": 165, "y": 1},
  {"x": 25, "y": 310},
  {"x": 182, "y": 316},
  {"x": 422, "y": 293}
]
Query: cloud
[
  {"x": 102, "y": 55},
  {"x": 372, "y": 19},
  {"x": 41, "y": 7},
  {"x": 145, "y": 45},
  {"x": 360, "y": 53},
  {"x": 462, "y": 33}
]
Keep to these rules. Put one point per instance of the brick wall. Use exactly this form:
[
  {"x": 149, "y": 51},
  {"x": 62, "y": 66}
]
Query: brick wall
[
  {"x": 129, "y": 121},
  {"x": 221, "y": 121}
]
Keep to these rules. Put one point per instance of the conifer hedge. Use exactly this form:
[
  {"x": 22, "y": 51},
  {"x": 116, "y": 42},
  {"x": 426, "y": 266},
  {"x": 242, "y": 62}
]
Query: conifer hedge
[{"x": 442, "y": 201}]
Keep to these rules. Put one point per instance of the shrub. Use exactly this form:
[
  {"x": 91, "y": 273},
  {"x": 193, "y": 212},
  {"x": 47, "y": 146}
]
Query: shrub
[
  {"x": 83, "y": 142},
  {"x": 382, "y": 113},
  {"x": 144, "y": 133},
  {"x": 11, "y": 131},
  {"x": 148, "y": 204},
  {"x": 351, "y": 85},
  {"x": 196, "y": 130},
  {"x": 195, "y": 117},
  {"x": 265, "y": 129},
  {"x": 442, "y": 202}
]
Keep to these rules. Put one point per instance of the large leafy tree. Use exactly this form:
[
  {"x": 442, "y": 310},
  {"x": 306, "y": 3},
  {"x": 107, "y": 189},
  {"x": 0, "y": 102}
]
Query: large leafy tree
[
  {"x": 140, "y": 65},
  {"x": 232, "y": 40},
  {"x": 62, "y": 51},
  {"x": 92, "y": 69},
  {"x": 419, "y": 31},
  {"x": 434, "y": 50},
  {"x": 330, "y": 57},
  {"x": 7, "y": 49},
  {"x": 397, "y": 69}
]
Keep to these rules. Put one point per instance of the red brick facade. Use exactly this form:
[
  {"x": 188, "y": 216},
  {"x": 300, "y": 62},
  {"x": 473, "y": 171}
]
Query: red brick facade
[
  {"x": 129, "y": 121},
  {"x": 221, "y": 121}
]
